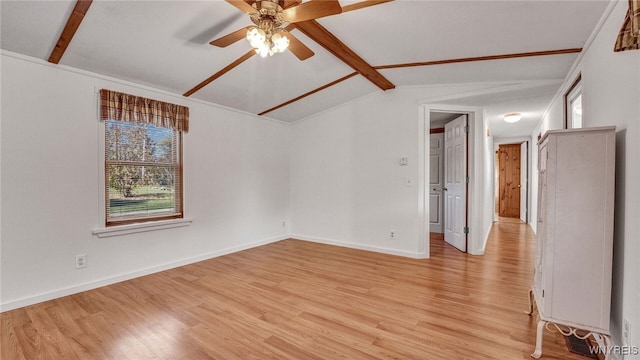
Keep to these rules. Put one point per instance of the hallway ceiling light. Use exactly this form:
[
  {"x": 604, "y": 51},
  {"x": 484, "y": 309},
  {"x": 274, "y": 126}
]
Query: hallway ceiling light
[{"x": 512, "y": 117}]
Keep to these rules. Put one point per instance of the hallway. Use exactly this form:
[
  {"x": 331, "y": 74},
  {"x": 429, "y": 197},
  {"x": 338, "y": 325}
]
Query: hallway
[{"x": 497, "y": 285}]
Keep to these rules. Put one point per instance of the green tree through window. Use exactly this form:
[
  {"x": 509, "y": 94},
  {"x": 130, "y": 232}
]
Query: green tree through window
[{"x": 143, "y": 172}]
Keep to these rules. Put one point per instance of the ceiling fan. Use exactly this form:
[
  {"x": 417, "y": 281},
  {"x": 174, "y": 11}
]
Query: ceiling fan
[{"x": 273, "y": 19}]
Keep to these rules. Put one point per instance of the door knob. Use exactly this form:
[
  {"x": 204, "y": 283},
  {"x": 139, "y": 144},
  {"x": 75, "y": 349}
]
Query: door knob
[{"x": 444, "y": 189}]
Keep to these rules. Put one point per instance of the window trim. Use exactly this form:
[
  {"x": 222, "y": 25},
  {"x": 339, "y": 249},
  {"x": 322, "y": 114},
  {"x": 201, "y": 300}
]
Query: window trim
[
  {"x": 125, "y": 229},
  {"x": 574, "y": 91},
  {"x": 119, "y": 230}
]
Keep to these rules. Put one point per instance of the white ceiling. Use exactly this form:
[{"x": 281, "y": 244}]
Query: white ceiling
[{"x": 164, "y": 44}]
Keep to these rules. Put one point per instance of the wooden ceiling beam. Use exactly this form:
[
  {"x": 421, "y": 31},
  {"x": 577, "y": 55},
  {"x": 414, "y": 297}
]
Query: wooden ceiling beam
[
  {"x": 225, "y": 70},
  {"x": 363, "y": 4},
  {"x": 482, "y": 58},
  {"x": 431, "y": 63},
  {"x": 73, "y": 23},
  {"x": 308, "y": 93},
  {"x": 327, "y": 40}
]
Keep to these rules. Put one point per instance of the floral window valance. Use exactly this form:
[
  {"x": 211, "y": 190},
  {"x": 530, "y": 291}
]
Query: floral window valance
[
  {"x": 130, "y": 108},
  {"x": 629, "y": 36}
]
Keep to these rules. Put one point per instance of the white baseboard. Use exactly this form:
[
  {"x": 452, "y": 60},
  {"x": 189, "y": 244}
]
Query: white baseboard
[
  {"x": 413, "y": 255},
  {"x": 481, "y": 251},
  {"x": 31, "y": 300}
]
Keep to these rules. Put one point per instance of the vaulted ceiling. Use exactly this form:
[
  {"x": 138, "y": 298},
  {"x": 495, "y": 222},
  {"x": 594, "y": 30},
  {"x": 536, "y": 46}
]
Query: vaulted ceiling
[{"x": 521, "y": 50}]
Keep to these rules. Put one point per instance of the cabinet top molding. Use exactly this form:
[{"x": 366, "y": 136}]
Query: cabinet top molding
[{"x": 573, "y": 131}]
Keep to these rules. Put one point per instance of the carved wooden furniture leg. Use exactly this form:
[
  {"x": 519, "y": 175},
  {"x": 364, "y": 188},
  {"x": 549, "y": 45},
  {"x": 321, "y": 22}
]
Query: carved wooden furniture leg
[
  {"x": 538, "y": 352},
  {"x": 530, "y": 311},
  {"x": 603, "y": 344}
]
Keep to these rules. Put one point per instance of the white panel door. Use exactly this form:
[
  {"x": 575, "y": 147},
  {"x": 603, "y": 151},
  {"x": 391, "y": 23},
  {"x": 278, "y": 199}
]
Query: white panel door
[
  {"x": 455, "y": 165},
  {"x": 436, "y": 183}
]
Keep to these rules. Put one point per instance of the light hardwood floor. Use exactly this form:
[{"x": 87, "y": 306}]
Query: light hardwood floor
[{"x": 300, "y": 300}]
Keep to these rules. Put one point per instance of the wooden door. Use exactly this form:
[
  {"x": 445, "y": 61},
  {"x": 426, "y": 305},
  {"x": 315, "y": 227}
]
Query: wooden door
[
  {"x": 509, "y": 180},
  {"x": 436, "y": 182},
  {"x": 455, "y": 170}
]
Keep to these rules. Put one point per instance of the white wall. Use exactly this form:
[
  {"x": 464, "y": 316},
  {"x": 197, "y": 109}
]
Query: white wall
[
  {"x": 347, "y": 184},
  {"x": 611, "y": 96},
  {"x": 487, "y": 208},
  {"x": 236, "y": 185}
]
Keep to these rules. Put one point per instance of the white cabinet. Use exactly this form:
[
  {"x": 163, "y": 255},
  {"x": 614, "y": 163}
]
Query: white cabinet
[{"x": 572, "y": 281}]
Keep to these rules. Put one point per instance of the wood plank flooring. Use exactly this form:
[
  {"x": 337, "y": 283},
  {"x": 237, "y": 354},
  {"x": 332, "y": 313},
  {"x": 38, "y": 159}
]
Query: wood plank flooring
[{"x": 300, "y": 300}]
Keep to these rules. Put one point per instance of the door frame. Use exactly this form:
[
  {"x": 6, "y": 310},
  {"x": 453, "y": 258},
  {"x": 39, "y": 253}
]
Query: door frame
[
  {"x": 475, "y": 243},
  {"x": 527, "y": 201}
]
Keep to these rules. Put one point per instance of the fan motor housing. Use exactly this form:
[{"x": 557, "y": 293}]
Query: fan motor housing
[
  {"x": 268, "y": 11},
  {"x": 268, "y": 7}
]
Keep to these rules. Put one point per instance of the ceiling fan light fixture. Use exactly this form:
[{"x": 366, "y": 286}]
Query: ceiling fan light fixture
[
  {"x": 279, "y": 42},
  {"x": 256, "y": 37},
  {"x": 264, "y": 50},
  {"x": 268, "y": 36},
  {"x": 512, "y": 117},
  {"x": 267, "y": 42}
]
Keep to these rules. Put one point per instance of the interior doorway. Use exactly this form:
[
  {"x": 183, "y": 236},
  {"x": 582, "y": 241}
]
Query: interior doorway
[
  {"x": 436, "y": 162},
  {"x": 511, "y": 180},
  {"x": 478, "y": 211},
  {"x": 448, "y": 174}
]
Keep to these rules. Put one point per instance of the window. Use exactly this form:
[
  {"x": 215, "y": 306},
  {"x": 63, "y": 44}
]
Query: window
[
  {"x": 573, "y": 105},
  {"x": 575, "y": 109},
  {"x": 143, "y": 160}
]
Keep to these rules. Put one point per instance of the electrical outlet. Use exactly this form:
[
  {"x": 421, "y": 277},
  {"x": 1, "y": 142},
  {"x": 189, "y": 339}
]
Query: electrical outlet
[
  {"x": 626, "y": 332},
  {"x": 81, "y": 261},
  {"x": 392, "y": 235}
]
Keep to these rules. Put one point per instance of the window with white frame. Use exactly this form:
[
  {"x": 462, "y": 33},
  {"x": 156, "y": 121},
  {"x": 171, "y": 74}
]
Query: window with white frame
[
  {"x": 573, "y": 105},
  {"x": 143, "y": 158}
]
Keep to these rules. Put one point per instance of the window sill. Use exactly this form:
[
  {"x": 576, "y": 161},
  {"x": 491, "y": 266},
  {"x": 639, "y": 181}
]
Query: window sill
[{"x": 141, "y": 227}]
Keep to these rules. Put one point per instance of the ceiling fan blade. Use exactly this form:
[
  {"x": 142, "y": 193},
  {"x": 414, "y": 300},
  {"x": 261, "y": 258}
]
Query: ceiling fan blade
[
  {"x": 311, "y": 10},
  {"x": 363, "y": 4},
  {"x": 242, "y": 5},
  {"x": 230, "y": 38},
  {"x": 289, "y": 3},
  {"x": 300, "y": 50}
]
